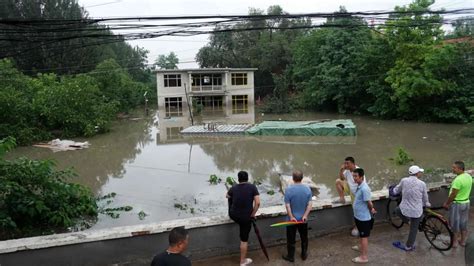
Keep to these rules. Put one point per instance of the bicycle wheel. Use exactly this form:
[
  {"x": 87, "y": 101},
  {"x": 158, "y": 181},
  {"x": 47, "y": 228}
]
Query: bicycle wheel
[
  {"x": 393, "y": 218},
  {"x": 438, "y": 233}
]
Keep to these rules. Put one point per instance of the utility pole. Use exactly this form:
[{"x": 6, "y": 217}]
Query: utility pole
[
  {"x": 146, "y": 103},
  {"x": 189, "y": 106}
]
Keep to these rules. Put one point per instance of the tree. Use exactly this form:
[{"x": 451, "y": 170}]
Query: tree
[
  {"x": 429, "y": 80},
  {"x": 169, "y": 61},
  {"x": 413, "y": 38},
  {"x": 72, "y": 47},
  {"x": 331, "y": 65},
  {"x": 73, "y": 106},
  {"x": 463, "y": 27},
  {"x": 117, "y": 86},
  {"x": 266, "y": 48}
]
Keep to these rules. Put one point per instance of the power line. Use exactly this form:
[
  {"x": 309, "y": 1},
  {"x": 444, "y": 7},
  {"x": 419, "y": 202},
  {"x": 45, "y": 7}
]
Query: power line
[
  {"x": 260, "y": 17},
  {"x": 46, "y": 37}
]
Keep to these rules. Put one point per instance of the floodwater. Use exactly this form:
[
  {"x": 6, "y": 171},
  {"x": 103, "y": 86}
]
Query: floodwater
[{"x": 154, "y": 169}]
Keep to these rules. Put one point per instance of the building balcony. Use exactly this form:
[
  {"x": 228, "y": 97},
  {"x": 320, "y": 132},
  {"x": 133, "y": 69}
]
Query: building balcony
[{"x": 207, "y": 89}]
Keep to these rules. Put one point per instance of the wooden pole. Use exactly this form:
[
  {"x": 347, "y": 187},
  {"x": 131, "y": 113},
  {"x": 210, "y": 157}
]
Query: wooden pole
[{"x": 189, "y": 106}]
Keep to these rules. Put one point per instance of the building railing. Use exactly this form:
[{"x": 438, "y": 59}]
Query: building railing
[{"x": 206, "y": 88}]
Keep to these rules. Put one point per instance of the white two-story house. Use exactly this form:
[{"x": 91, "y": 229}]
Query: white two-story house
[{"x": 210, "y": 88}]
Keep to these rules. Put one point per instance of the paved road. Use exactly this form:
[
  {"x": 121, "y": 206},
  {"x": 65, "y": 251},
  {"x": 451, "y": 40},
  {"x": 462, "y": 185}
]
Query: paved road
[{"x": 335, "y": 249}]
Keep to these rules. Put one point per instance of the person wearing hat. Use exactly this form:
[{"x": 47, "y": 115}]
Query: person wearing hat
[{"x": 414, "y": 198}]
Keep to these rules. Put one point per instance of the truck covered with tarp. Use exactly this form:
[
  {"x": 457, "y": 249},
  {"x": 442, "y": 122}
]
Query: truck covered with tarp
[{"x": 328, "y": 127}]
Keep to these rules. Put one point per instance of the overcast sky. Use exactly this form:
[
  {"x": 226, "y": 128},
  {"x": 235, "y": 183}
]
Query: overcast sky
[{"x": 187, "y": 47}]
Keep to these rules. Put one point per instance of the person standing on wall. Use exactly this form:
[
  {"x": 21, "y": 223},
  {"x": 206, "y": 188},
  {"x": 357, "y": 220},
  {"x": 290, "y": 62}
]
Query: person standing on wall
[
  {"x": 345, "y": 184},
  {"x": 414, "y": 198},
  {"x": 458, "y": 203},
  {"x": 244, "y": 202},
  {"x": 298, "y": 205},
  {"x": 178, "y": 242},
  {"x": 363, "y": 211}
]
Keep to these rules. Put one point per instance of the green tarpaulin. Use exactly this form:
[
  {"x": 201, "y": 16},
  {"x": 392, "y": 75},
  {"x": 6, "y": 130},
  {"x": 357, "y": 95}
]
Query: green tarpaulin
[{"x": 341, "y": 127}]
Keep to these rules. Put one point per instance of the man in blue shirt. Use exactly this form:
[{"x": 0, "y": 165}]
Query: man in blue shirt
[
  {"x": 298, "y": 205},
  {"x": 363, "y": 210}
]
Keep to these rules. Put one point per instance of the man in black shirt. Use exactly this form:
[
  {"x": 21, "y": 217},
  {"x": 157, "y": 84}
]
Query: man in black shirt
[
  {"x": 178, "y": 239},
  {"x": 244, "y": 201}
]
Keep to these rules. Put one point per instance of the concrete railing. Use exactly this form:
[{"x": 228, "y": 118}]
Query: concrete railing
[
  {"x": 209, "y": 236},
  {"x": 207, "y": 88}
]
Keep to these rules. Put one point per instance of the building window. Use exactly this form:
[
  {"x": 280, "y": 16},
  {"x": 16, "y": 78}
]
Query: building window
[
  {"x": 174, "y": 106},
  {"x": 240, "y": 104},
  {"x": 239, "y": 79},
  {"x": 173, "y": 80},
  {"x": 210, "y": 104},
  {"x": 206, "y": 82},
  {"x": 173, "y": 133}
]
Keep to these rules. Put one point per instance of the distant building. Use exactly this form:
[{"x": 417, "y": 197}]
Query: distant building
[{"x": 210, "y": 88}]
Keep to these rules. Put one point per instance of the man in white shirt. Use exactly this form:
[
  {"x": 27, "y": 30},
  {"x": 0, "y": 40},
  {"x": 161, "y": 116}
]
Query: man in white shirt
[
  {"x": 414, "y": 198},
  {"x": 345, "y": 184}
]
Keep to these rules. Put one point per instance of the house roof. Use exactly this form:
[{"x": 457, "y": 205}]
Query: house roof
[{"x": 204, "y": 70}]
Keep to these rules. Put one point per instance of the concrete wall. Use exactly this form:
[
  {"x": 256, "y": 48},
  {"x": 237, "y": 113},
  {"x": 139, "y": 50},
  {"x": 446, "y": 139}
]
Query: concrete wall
[{"x": 209, "y": 236}]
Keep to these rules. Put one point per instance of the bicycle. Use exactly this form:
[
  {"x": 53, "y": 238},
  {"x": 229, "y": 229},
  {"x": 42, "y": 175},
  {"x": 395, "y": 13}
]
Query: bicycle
[{"x": 434, "y": 226}]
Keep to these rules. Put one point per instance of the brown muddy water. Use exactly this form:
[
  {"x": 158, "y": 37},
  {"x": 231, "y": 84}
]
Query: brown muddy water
[{"x": 152, "y": 168}]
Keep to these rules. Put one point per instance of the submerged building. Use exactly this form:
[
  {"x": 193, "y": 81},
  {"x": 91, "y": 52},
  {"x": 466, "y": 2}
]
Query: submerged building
[{"x": 211, "y": 89}]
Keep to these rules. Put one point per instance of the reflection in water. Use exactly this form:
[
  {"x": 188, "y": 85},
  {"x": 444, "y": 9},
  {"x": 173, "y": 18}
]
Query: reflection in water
[
  {"x": 169, "y": 127},
  {"x": 152, "y": 175}
]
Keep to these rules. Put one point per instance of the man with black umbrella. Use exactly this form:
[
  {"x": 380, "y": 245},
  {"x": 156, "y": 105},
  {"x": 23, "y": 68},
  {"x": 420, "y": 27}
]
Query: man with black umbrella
[
  {"x": 298, "y": 205},
  {"x": 244, "y": 201}
]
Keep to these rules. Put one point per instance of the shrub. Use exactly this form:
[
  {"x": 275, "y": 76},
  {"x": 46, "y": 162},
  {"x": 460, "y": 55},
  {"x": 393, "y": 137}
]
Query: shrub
[
  {"x": 35, "y": 198},
  {"x": 72, "y": 105},
  {"x": 402, "y": 157}
]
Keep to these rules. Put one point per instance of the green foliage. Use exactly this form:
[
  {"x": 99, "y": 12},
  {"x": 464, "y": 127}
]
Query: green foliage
[
  {"x": 401, "y": 70},
  {"x": 278, "y": 101},
  {"x": 17, "y": 115},
  {"x": 268, "y": 50},
  {"x": 51, "y": 48},
  {"x": 169, "y": 61},
  {"x": 402, "y": 158},
  {"x": 118, "y": 73},
  {"x": 214, "y": 180},
  {"x": 114, "y": 213},
  {"x": 197, "y": 107},
  {"x": 116, "y": 85},
  {"x": 70, "y": 106},
  {"x": 7, "y": 144},
  {"x": 330, "y": 65},
  {"x": 271, "y": 192},
  {"x": 184, "y": 207},
  {"x": 36, "y": 198},
  {"x": 463, "y": 27},
  {"x": 230, "y": 181},
  {"x": 142, "y": 215}
]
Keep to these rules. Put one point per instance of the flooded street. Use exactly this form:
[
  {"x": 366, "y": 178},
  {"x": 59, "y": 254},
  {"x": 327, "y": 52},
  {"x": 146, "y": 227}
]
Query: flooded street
[{"x": 156, "y": 170}]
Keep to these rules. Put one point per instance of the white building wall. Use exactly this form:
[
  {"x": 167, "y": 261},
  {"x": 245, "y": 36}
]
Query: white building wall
[{"x": 164, "y": 92}]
